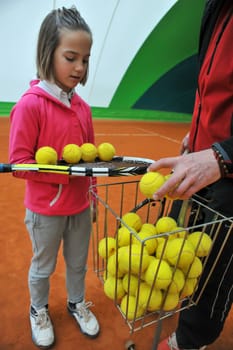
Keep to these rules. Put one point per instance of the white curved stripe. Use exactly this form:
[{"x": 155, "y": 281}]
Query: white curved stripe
[{"x": 119, "y": 28}]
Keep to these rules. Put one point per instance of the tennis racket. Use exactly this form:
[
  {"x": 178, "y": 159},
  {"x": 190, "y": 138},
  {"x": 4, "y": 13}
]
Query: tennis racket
[{"x": 118, "y": 166}]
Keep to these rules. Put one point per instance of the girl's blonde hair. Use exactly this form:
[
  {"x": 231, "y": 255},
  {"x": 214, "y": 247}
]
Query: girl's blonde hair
[{"x": 49, "y": 35}]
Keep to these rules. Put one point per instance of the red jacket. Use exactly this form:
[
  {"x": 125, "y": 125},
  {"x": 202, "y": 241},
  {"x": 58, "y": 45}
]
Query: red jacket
[{"x": 213, "y": 110}]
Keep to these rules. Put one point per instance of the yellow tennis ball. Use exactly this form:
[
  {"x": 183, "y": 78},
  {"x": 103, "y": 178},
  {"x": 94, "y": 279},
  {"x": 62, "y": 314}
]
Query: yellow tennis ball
[
  {"x": 150, "y": 183},
  {"x": 130, "y": 308},
  {"x": 181, "y": 232},
  {"x": 89, "y": 152},
  {"x": 149, "y": 299},
  {"x": 201, "y": 242},
  {"x": 124, "y": 236},
  {"x": 193, "y": 270},
  {"x": 177, "y": 283},
  {"x": 112, "y": 266},
  {"x": 113, "y": 288},
  {"x": 133, "y": 259},
  {"x": 148, "y": 228},
  {"x": 160, "y": 272},
  {"x": 189, "y": 287},
  {"x": 71, "y": 153},
  {"x": 130, "y": 283},
  {"x": 151, "y": 258},
  {"x": 105, "y": 275},
  {"x": 132, "y": 220},
  {"x": 160, "y": 239},
  {"x": 171, "y": 301},
  {"x": 180, "y": 252},
  {"x": 46, "y": 155},
  {"x": 161, "y": 249},
  {"x": 106, "y": 151},
  {"x": 144, "y": 238},
  {"x": 165, "y": 224},
  {"x": 106, "y": 247}
]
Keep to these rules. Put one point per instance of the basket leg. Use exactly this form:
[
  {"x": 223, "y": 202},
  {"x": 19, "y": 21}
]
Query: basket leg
[
  {"x": 129, "y": 345},
  {"x": 157, "y": 335}
]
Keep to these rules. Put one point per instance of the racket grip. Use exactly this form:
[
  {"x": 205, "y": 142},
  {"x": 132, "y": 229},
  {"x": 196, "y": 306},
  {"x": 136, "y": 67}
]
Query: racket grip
[{"x": 5, "y": 168}]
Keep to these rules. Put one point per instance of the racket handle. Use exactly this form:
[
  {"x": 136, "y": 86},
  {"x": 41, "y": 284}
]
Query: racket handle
[{"x": 5, "y": 168}]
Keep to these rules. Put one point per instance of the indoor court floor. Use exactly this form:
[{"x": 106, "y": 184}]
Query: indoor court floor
[{"x": 132, "y": 138}]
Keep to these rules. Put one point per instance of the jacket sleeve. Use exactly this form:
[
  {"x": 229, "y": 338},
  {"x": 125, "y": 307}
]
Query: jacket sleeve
[{"x": 24, "y": 131}]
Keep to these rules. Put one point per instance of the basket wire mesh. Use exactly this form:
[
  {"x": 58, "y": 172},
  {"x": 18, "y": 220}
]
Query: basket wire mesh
[{"x": 115, "y": 199}]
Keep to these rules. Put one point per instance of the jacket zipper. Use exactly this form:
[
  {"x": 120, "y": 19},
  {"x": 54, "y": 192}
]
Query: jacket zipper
[
  {"x": 58, "y": 195},
  {"x": 197, "y": 122}
]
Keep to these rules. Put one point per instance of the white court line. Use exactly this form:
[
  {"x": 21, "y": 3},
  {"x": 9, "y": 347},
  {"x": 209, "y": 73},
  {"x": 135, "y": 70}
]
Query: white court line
[{"x": 152, "y": 134}]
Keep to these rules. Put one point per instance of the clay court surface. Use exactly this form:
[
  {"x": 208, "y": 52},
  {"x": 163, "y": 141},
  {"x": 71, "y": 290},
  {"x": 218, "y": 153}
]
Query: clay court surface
[{"x": 143, "y": 139}]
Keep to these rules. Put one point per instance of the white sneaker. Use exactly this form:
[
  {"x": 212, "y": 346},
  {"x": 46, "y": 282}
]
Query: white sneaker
[
  {"x": 172, "y": 343},
  {"x": 42, "y": 329},
  {"x": 85, "y": 318}
]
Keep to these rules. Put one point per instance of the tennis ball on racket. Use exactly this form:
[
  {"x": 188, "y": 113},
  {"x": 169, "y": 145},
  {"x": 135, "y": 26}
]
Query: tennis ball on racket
[
  {"x": 166, "y": 224},
  {"x": 150, "y": 183},
  {"x": 189, "y": 287},
  {"x": 149, "y": 299},
  {"x": 106, "y": 247},
  {"x": 112, "y": 266},
  {"x": 171, "y": 301},
  {"x": 160, "y": 271},
  {"x": 144, "y": 238},
  {"x": 89, "y": 152},
  {"x": 113, "y": 288},
  {"x": 193, "y": 270},
  {"x": 132, "y": 220},
  {"x": 133, "y": 259},
  {"x": 71, "y": 153},
  {"x": 130, "y": 283},
  {"x": 106, "y": 151},
  {"x": 130, "y": 308},
  {"x": 124, "y": 236},
  {"x": 177, "y": 283},
  {"x": 46, "y": 155},
  {"x": 180, "y": 252},
  {"x": 201, "y": 242}
]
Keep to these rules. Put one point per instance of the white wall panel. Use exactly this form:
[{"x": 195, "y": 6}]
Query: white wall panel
[{"x": 119, "y": 29}]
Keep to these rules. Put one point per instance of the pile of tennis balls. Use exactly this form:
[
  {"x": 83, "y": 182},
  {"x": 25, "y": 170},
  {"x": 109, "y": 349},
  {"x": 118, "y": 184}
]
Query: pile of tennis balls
[
  {"x": 73, "y": 154},
  {"x": 150, "y": 267}
]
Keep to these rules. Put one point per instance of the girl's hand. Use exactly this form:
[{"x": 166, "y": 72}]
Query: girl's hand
[{"x": 190, "y": 173}]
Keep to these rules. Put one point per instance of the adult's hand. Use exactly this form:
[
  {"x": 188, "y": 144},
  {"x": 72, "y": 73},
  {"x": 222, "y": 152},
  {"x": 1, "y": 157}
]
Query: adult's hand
[{"x": 190, "y": 173}]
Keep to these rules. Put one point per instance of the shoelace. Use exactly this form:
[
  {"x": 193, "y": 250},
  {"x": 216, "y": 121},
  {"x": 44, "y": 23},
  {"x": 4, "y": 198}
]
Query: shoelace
[
  {"x": 84, "y": 311},
  {"x": 42, "y": 319}
]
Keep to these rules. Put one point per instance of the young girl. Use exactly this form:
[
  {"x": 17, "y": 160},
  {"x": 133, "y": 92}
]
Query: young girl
[{"x": 50, "y": 113}]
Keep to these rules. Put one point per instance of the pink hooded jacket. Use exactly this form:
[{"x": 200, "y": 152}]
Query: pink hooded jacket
[{"x": 38, "y": 120}]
